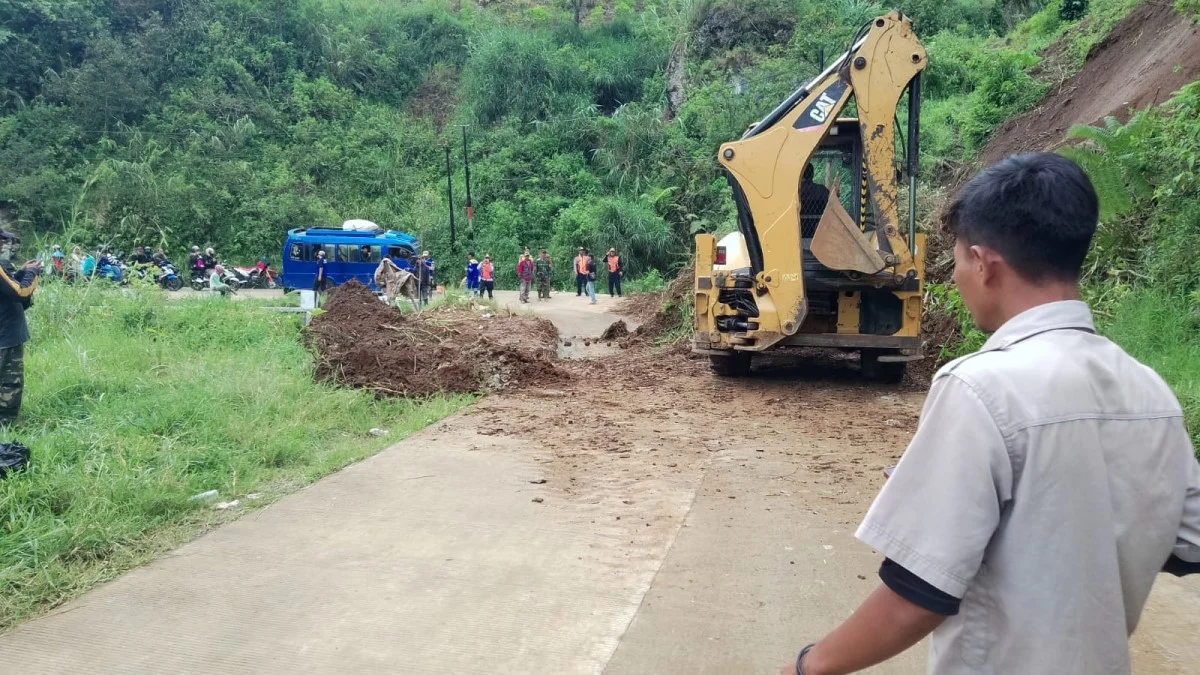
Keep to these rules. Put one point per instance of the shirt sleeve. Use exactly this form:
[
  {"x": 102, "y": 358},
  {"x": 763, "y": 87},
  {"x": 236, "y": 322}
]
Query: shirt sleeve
[
  {"x": 916, "y": 590},
  {"x": 938, "y": 511},
  {"x": 19, "y": 284}
]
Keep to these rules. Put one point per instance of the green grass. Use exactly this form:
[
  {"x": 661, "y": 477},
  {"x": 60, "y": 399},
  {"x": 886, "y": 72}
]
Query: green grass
[
  {"x": 135, "y": 403},
  {"x": 1162, "y": 332},
  {"x": 1156, "y": 328},
  {"x": 1044, "y": 28},
  {"x": 651, "y": 282}
]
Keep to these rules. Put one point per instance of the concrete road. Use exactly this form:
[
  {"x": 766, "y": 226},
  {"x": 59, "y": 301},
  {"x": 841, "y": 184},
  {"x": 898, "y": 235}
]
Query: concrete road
[
  {"x": 574, "y": 316},
  {"x": 604, "y": 527}
]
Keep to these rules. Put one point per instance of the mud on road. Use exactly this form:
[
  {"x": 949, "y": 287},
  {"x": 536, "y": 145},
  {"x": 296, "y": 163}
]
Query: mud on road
[
  {"x": 782, "y": 465},
  {"x": 638, "y": 516}
]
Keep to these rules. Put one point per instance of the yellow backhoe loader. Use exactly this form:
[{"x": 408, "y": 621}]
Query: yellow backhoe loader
[{"x": 820, "y": 258}]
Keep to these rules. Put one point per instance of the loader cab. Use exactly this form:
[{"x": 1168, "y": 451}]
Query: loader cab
[{"x": 838, "y": 159}]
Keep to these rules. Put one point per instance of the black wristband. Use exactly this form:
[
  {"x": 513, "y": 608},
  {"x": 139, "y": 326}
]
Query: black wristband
[{"x": 799, "y": 670}]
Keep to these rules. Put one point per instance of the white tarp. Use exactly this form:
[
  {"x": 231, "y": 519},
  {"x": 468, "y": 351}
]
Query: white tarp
[{"x": 360, "y": 226}]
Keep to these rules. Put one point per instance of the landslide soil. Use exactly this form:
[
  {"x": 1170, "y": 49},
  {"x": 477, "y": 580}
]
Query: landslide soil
[
  {"x": 361, "y": 342},
  {"x": 1146, "y": 57}
]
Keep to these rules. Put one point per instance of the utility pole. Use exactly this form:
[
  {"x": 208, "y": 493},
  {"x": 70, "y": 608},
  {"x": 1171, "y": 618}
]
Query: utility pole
[
  {"x": 470, "y": 207},
  {"x": 450, "y": 198}
]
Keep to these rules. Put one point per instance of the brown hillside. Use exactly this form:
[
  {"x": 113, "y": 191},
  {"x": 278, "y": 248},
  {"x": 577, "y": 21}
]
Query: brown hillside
[{"x": 1148, "y": 55}]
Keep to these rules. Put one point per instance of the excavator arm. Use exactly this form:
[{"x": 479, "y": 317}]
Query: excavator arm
[{"x": 765, "y": 167}]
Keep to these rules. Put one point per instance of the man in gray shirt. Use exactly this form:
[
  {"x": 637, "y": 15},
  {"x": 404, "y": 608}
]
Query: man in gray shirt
[{"x": 1051, "y": 477}]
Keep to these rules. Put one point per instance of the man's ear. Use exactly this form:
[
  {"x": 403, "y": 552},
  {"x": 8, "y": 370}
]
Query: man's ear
[{"x": 987, "y": 264}]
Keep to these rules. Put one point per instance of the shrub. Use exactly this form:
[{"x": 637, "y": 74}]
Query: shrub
[{"x": 1072, "y": 10}]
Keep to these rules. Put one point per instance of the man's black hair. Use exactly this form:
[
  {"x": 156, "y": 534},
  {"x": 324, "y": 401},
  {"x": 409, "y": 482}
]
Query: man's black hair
[
  {"x": 809, "y": 172},
  {"x": 1037, "y": 210}
]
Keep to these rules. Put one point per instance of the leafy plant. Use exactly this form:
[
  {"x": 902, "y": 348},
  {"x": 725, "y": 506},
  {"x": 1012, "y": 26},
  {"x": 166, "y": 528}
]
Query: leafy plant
[
  {"x": 1072, "y": 10},
  {"x": 1113, "y": 158}
]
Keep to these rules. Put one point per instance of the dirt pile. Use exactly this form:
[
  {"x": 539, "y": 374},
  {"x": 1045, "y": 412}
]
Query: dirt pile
[
  {"x": 671, "y": 307},
  {"x": 616, "y": 331},
  {"x": 361, "y": 342},
  {"x": 1146, "y": 57}
]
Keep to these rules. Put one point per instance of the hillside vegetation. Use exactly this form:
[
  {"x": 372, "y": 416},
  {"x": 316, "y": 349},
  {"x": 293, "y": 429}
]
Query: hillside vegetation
[{"x": 225, "y": 122}]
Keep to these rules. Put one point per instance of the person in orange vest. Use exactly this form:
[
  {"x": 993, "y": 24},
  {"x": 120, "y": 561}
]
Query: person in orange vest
[
  {"x": 487, "y": 276},
  {"x": 581, "y": 272},
  {"x": 616, "y": 270}
]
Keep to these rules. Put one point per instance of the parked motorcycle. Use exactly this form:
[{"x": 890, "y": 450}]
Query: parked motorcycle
[
  {"x": 253, "y": 277},
  {"x": 198, "y": 281},
  {"x": 112, "y": 272},
  {"x": 229, "y": 277},
  {"x": 168, "y": 277}
]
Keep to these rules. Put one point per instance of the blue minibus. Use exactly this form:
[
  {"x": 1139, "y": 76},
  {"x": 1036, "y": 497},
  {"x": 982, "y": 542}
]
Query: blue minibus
[{"x": 349, "y": 254}]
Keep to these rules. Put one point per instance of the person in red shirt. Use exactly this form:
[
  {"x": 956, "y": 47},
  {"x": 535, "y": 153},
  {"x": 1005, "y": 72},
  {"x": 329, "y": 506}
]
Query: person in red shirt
[
  {"x": 487, "y": 276},
  {"x": 525, "y": 274}
]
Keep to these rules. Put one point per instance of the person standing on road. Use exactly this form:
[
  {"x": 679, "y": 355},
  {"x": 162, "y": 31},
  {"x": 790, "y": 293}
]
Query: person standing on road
[
  {"x": 17, "y": 286},
  {"x": 319, "y": 281},
  {"x": 616, "y": 270},
  {"x": 424, "y": 278},
  {"x": 589, "y": 265},
  {"x": 487, "y": 276},
  {"x": 432, "y": 269},
  {"x": 542, "y": 269},
  {"x": 1051, "y": 477},
  {"x": 472, "y": 276},
  {"x": 525, "y": 274},
  {"x": 580, "y": 272}
]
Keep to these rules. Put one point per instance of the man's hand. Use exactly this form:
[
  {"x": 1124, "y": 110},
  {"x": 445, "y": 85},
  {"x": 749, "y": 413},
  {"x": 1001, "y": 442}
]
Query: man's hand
[{"x": 32, "y": 265}]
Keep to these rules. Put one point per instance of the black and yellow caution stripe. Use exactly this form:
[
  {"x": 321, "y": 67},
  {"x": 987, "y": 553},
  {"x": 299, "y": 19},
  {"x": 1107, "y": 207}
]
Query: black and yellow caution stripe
[{"x": 21, "y": 291}]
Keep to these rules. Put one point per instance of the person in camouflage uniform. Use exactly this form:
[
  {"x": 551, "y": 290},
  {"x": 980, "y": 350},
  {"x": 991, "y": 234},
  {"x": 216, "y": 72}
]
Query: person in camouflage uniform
[
  {"x": 542, "y": 269},
  {"x": 16, "y": 295}
]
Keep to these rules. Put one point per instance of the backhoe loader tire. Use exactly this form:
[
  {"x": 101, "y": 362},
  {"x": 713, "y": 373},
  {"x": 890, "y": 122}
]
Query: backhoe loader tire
[
  {"x": 736, "y": 364},
  {"x": 888, "y": 372}
]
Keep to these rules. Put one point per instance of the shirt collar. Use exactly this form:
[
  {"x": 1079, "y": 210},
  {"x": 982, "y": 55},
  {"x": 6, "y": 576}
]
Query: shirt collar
[{"x": 1065, "y": 314}]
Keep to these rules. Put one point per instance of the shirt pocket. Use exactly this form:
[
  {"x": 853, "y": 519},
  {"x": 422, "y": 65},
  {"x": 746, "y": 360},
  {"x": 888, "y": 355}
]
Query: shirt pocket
[{"x": 978, "y": 611}]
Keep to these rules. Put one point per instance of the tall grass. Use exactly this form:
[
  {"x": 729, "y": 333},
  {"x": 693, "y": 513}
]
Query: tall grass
[
  {"x": 1163, "y": 332},
  {"x": 135, "y": 403},
  {"x": 1160, "y": 329}
]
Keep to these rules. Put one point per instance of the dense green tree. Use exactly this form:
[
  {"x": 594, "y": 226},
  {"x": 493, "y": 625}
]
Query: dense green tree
[{"x": 226, "y": 122}]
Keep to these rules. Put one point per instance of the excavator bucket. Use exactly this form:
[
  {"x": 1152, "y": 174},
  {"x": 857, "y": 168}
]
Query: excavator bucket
[{"x": 838, "y": 243}]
